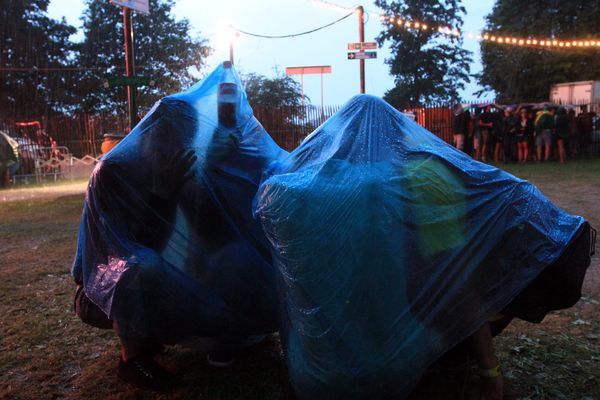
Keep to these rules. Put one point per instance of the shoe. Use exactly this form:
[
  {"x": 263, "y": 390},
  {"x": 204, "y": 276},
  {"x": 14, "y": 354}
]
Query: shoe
[
  {"x": 143, "y": 372},
  {"x": 220, "y": 359}
]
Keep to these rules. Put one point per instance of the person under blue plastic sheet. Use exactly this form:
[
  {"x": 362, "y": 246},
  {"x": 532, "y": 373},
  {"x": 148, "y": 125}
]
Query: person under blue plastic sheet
[
  {"x": 168, "y": 248},
  {"x": 392, "y": 247}
]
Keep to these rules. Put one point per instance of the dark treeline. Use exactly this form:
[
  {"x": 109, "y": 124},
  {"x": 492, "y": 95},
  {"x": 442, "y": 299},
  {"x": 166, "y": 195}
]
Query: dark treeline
[{"x": 44, "y": 72}]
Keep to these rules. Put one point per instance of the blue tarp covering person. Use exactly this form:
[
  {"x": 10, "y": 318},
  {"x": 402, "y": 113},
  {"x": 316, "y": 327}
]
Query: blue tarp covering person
[
  {"x": 392, "y": 247},
  {"x": 168, "y": 248}
]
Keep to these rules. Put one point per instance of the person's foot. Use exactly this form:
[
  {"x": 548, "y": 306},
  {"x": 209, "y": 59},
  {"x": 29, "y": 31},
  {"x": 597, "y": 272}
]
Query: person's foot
[
  {"x": 220, "y": 359},
  {"x": 492, "y": 388},
  {"x": 491, "y": 384},
  {"x": 143, "y": 372}
]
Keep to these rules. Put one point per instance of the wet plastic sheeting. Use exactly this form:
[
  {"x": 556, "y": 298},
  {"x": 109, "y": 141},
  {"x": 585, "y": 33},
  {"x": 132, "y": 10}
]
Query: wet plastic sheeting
[
  {"x": 168, "y": 246},
  {"x": 392, "y": 247}
]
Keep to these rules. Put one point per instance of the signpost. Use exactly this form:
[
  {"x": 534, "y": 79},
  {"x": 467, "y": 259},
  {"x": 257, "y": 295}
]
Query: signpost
[
  {"x": 318, "y": 69},
  {"x": 144, "y": 7},
  {"x": 137, "y": 5},
  {"x": 362, "y": 55},
  {"x": 361, "y": 46}
]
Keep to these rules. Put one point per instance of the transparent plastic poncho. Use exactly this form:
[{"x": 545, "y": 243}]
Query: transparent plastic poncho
[
  {"x": 392, "y": 247},
  {"x": 168, "y": 246}
]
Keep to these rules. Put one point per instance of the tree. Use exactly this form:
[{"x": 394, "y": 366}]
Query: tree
[
  {"x": 524, "y": 74},
  {"x": 277, "y": 103},
  {"x": 34, "y": 50},
  {"x": 281, "y": 91},
  {"x": 427, "y": 65},
  {"x": 164, "y": 52}
]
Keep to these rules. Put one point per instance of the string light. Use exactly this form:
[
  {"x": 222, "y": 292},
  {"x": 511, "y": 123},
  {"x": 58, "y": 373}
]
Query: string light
[
  {"x": 409, "y": 24},
  {"x": 485, "y": 37}
]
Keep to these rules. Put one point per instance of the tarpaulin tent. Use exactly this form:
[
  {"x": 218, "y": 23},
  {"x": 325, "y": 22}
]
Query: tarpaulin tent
[
  {"x": 393, "y": 246},
  {"x": 170, "y": 252}
]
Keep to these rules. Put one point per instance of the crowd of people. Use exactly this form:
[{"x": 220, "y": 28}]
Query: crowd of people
[{"x": 523, "y": 133}]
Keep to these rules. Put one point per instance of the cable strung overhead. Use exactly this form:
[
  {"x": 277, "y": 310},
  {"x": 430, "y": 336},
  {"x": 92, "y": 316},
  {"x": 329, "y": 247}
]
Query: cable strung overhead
[{"x": 295, "y": 34}]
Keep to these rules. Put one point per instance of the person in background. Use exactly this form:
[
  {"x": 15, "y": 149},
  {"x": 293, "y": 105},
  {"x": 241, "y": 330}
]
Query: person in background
[
  {"x": 544, "y": 124},
  {"x": 497, "y": 135},
  {"x": 476, "y": 135},
  {"x": 561, "y": 123},
  {"x": 573, "y": 134},
  {"x": 486, "y": 124},
  {"x": 523, "y": 134},
  {"x": 509, "y": 130},
  {"x": 585, "y": 126},
  {"x": 461, "y": 121}
]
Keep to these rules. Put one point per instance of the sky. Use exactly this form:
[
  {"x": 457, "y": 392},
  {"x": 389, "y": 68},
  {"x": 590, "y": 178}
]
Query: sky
[{"x": 283, "y": 17}]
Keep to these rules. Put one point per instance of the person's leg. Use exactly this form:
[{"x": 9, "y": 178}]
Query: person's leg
[
  {"x": 485, "y": 136},
  {"x": 547, "y": 146},
  {"x": 138, "y": 367},
  {"x": 526, "y": 152},
  {"x": 480, "y": 344},
  {"x": 496, "y": 152},
  {"x": 508, "y": 148},
  {"x": 460, "y": 142},
  {"x": 561, "y": 151},
  {"x": 135, "y": 347},
  {"x": 520, "y": 152}
]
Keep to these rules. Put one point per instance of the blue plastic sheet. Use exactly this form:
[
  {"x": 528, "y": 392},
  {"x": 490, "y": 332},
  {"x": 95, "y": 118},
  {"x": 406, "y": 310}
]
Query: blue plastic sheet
[
  {"x": 168, "y": 246},
  {"x": 392, "y": 247}
]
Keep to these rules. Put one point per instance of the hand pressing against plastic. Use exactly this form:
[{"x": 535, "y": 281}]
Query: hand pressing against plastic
[
  {"x": 224, "y": 142},
  {"x": 171, "y": 173}
]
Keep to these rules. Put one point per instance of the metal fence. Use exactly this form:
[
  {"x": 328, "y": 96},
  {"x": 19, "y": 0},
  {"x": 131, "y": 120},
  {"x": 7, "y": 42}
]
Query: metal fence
[{"x": 77, "y": 138}]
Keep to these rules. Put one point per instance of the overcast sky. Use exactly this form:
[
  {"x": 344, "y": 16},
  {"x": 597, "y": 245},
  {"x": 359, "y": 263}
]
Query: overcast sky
[{"x": 281, "y": 17}]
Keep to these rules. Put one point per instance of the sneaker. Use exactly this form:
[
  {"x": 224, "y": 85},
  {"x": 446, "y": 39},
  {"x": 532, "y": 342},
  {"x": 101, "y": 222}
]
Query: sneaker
[
  {"x": 220, "y": 358},
  {"x": 144, "y": 373}
]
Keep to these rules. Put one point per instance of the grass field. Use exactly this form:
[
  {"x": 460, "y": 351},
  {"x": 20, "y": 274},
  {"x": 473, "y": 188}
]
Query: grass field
[{"x": 47, "y": 353}]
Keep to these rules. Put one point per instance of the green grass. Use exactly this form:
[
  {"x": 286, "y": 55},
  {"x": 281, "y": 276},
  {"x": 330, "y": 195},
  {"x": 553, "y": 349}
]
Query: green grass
[{"x": 46, "y": 352}]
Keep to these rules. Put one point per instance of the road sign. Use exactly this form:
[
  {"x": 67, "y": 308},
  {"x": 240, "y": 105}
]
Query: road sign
[
  {"x": 318, "y": 69},
  {"x": 137, "y": 5},
  {"x": 362, "y": 46},
  {"x": 362, "y": 55},
  {"x": 128, "y": 80}
]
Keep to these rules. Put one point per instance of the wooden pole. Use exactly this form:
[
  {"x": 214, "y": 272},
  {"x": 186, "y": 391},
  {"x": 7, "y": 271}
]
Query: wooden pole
[
  {"x": 361, "y": 38},
  {"x": 129, "y": 65}
]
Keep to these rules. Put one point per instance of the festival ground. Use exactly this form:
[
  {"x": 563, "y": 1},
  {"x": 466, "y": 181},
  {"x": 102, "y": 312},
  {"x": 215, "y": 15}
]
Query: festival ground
[{"x": 47, "y": 353}]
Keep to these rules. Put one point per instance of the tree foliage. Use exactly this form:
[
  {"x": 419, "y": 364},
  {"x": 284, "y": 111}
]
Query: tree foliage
[
  {"x": 522, "y": 74},
  {"x": 281, "y": 91},
  {"x": 164, "y": 51},
  {"x": 33, "y": 50},
  {"x": 426, "y": 64}
]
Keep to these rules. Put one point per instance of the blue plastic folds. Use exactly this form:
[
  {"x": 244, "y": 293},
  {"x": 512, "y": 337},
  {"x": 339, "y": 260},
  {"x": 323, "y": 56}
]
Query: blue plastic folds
[
  {"x": 168, "y": 247},
  {"x": 392, "y": 247}
]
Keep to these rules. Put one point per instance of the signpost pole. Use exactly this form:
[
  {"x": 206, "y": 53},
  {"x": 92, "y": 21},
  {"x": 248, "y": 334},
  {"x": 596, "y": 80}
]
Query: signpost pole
[
  {"x": 129, "y": 65},
  {"x": 321, "y": 91},
  {"x": 361, "y": 38}
]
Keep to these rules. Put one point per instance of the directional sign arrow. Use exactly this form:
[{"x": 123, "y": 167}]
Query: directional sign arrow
[{"x": 362, "y": 55}]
